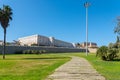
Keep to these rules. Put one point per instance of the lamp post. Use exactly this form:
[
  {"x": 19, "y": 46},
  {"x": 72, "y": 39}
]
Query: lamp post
[{"x": 86, "y": 4}]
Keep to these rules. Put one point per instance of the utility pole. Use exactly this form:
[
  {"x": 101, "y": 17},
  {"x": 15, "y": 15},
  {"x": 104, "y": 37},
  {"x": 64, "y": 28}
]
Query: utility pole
[{"x": 86, "y": 4}]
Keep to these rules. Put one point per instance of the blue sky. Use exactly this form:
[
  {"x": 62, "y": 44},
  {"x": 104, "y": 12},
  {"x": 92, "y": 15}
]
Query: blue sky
[{"x": 63, "y": 19}]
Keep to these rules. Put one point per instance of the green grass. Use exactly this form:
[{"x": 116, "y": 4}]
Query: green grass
[
  {"x": 109, "y": 69},
  {"x": 38, "y": 67},
  {"x": 29, "y": 67}
]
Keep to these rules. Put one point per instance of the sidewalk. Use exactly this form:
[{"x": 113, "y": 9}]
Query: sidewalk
[{"x": 76, "y": 69}]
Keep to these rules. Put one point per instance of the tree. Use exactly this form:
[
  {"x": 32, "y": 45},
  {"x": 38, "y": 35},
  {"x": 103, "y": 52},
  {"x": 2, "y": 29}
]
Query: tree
[
  {"x": 5, "y": 17},
  {"x": 78, "y": 45},
  {"x": 117, "y": 28},
  {"x": 118, "y": 40},
  {"x": 117, "y": 31},
  {"x": 111, "y": 45},
  {"x": 117, "y": 44}
]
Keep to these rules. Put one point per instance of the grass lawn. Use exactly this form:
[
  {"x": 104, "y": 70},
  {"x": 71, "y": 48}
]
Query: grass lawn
[
  {"x": 29, "y": 67},
  {"x": 109, "y": 69},
  {"x": 38, "y": 67}
]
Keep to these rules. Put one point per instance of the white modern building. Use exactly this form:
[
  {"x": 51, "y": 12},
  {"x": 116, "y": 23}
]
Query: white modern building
[{"x": 43, "y": 41}]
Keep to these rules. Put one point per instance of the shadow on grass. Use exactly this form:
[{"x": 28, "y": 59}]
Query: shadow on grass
[
  {"x": 116, "y": 60},
  {"x": 46, "y": 58}
]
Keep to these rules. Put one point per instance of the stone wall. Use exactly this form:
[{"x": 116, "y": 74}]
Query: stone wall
[
  {"x": 92, "y": 50},
  {"x": 13, "y": 49}
]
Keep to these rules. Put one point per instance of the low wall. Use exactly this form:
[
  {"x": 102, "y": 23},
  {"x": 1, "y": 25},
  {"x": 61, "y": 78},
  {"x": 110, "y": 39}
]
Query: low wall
[
  {"x": 92, "y": 50},
  {"x": 13, "y": 49}
]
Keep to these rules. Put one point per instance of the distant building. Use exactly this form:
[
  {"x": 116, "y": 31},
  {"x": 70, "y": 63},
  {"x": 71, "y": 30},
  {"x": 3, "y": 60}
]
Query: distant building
[
  {"x": 89, "y": 44},
  {"x": 11, "y": 44},
  {"x": 92, "y": 47},
  {"x": 43, "y": 41},
  {"x": 7, "y": 43},
  {"x": 1, "y": 42}
]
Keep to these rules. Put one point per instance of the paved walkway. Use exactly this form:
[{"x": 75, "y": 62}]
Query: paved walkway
[{"x": 76, "y": 69}]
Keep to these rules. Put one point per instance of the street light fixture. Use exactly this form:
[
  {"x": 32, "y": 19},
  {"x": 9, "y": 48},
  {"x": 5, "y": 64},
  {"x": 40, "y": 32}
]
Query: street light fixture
[{"x": 86, "y": 4}]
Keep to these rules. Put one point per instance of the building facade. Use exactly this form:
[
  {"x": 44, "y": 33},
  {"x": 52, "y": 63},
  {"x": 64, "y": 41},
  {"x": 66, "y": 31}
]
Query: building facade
[
  {"x": 1, "y": 42},
  {"x": 89, "y": 44},
  {"x": 43, "y": 41}
]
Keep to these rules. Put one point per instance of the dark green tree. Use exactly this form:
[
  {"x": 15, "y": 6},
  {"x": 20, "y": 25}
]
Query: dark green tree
[
  {"x": 117, "y": 31},
  {"x": 78, "y": 45},
  {"x": 118, "y": 39},
  {"x": 5, "y": 17},
  {"x": 117, "y": 28}
]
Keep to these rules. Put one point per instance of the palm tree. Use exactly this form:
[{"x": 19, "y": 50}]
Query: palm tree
[{"x": 5, "y": 17}]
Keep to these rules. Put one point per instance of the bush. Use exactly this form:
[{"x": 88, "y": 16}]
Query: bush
[
  {"x": 34, "y": 44},
  {"x": 112, "y": 53},
  {"x": 34, "y": 51},
  {"x": 106, "y": 53},
  {"x": 18, "y": 52},
  {"x": 27, "y": 52},
  {"x": 102, "y": 52},
  {"x": 43, "y": 51}
]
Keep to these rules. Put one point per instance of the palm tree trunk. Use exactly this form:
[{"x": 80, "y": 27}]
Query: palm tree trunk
[{"x": 4, "y": 45}]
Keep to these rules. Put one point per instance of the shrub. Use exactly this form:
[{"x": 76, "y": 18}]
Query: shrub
[
  {"x": 18, "y": 52},
  {"x": 112, "y": 53},
  {"x": 43, "y": 51},
  {"x": 102, "y": 52},
  {"x": 34, "y": 44},
  {"x": 27, "y": 52},
  {"x": 34, "y": 51},
  {"x": 106, "y": 53},
  {"x": 111, "y": 45}
]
